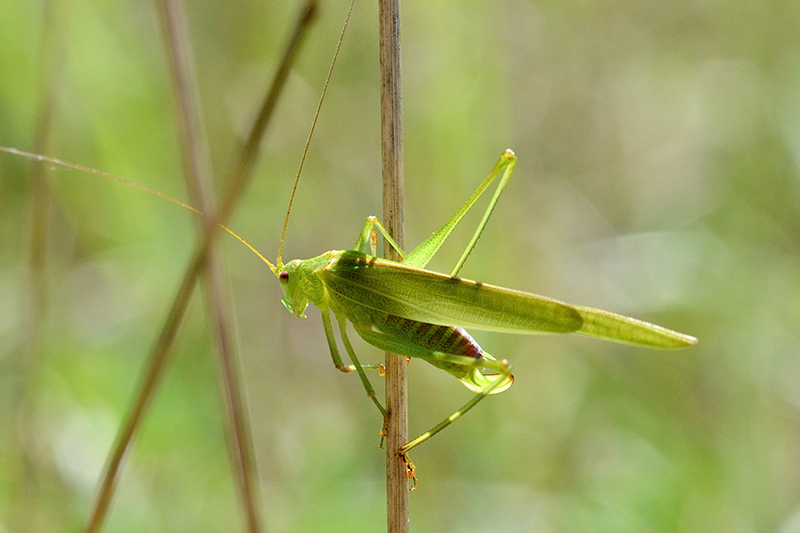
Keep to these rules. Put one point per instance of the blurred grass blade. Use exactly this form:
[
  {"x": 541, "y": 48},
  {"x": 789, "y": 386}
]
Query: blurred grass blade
[{"x": 199, "y": 180}]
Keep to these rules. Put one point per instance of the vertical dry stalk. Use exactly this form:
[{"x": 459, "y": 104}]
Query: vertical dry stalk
[
  {"x": 392, "y": 149},
  {"x": 34, "y": 307}
]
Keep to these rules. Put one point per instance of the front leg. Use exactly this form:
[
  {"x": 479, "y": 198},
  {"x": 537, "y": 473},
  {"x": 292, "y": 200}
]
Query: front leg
[
  {"x": 339, "y": 364},
  {"x": 367, "y": 385},
  {"x": 334, "y": 349}
]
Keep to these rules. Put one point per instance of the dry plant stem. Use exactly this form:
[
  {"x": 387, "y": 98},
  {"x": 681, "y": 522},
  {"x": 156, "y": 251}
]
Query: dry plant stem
[
  {"x": 199, "y": 178},
  {"x": 392, "y": 149},
  {"x": 157, "y": 360},
  {"x": 34, "y": 307}
]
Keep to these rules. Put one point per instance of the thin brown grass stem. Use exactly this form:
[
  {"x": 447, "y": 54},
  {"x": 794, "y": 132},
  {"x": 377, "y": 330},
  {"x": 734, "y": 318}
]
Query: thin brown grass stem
[
  {"x": 198, "y": 172},
  {"x": 33, "y": 310}
]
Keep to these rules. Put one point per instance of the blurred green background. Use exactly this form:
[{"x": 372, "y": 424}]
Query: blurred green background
[{"x": 658, "y": 149}]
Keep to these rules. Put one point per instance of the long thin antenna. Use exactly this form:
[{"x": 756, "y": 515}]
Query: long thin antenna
[
  {"x": 279, "y": 262},
  {"x": 74, "y": 166}
]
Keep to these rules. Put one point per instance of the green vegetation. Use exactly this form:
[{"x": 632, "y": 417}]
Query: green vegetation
[{"x": 658, "y": 178}]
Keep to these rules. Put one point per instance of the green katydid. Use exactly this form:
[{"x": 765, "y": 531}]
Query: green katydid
[{"x": 402, "y": 308}]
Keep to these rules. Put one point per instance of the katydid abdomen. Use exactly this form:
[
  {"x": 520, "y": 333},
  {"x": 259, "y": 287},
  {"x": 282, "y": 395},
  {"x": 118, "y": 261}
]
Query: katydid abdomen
[
  {"x": 435, "y": 343},
  {"x": 434, "y": 337}
]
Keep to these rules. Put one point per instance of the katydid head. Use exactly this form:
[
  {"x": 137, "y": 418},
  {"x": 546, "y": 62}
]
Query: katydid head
[{"x": 293, "y": 297}]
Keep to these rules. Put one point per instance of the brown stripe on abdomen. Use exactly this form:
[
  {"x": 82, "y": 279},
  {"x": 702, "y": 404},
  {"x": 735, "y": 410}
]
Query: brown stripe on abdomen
[{"x": 446, "y": 339}]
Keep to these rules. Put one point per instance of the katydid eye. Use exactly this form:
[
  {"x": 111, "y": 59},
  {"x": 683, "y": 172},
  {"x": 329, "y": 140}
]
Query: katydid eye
[{"x": 284, "y": 277}]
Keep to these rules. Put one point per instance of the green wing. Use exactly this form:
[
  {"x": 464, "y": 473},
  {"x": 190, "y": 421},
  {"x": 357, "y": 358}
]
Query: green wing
[
  {"x": 620, "y": 328},
  {"x": 417, "y": 294}
]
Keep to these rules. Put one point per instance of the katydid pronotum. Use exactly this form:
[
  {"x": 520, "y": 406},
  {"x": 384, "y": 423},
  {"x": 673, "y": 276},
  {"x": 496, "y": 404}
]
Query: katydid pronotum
[{"x": 402, "y": 308}]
